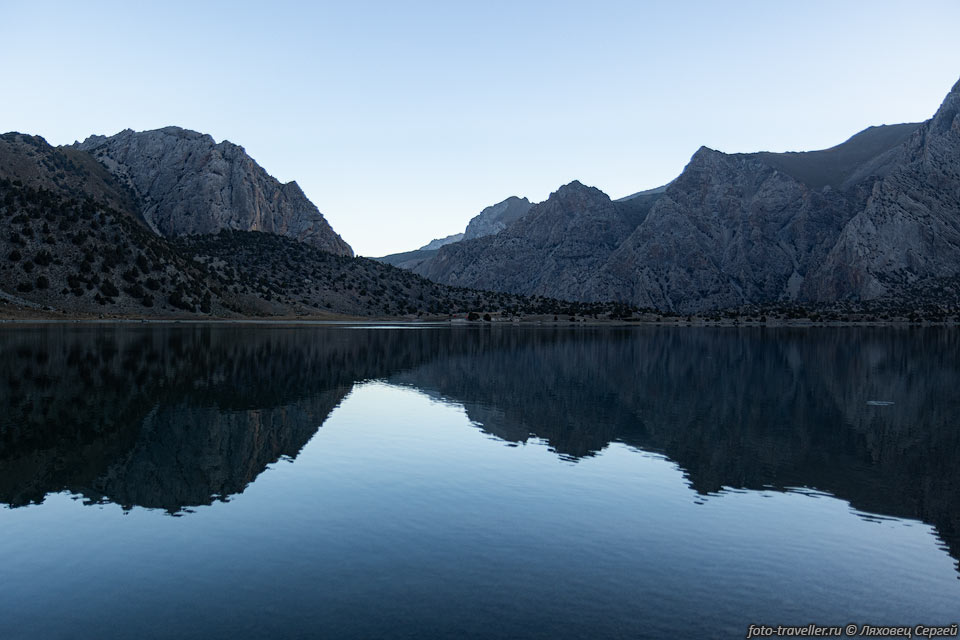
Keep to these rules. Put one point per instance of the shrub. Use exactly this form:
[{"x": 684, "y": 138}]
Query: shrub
[{"x": 109, "y": 289}]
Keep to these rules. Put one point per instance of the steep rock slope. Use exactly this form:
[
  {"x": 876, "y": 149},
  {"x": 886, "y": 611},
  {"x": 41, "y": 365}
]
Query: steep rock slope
[
  {"x": 876, "y": 217},
  {"x": 439, "y": 242},
  {"x": 411, "y": 259},
  {"x": 496, "y": 218},
  {"x": 908, "y": 234},
  {"x": 555, "y": 247},
  {"x": 731, "y": 229},
  {"x": 491, "y": 221},
  {"x": 62, "y": 247},
  {"x": 188, "y": 184}
]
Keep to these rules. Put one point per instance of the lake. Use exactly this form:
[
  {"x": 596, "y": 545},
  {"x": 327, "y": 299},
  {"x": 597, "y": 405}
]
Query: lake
[{"x": 197, "y": 481}]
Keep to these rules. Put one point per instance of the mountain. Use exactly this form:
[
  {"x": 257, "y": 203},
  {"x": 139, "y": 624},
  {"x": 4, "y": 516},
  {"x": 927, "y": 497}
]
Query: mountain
[
  {"x": 408, "y": 260},
  {"x": 548, "y": 249},
  {"x": 496, "y": 218},
  {"x": 492, "y": 220},
  {"x": 188, "y": 184},
  {"x": 439, "y": 242},
  {"x": 411, "y": 259},
  {"x": 876, "y": 217},
  {"x": 73, "y": 239}
]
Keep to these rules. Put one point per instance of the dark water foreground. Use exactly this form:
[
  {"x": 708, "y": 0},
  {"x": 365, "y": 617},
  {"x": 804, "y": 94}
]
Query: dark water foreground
[{"x": 226, "y": 482}]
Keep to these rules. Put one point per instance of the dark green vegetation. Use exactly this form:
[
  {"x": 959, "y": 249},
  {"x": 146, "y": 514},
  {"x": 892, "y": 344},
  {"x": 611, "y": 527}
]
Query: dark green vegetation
[
  {"x": 79, "y": 255},
  {"x": 70, "y": 240},
  {"x": 83, "y": 256},
  {"x": 279, "y": 270}
]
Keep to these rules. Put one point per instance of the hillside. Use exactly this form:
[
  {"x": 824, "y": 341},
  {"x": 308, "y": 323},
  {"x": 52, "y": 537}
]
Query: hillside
[
  {"x": 72, "y": 240},
  {"x": 185, "y": 183},
  {"x": 876, "y": 218}
]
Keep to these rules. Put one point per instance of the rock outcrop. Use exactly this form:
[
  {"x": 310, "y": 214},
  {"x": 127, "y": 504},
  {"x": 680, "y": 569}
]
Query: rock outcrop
[
  {"x": 496, "y": 218},
  {"x": 556, "y": 246},
  {"x": 488, "y": 222},
  {"x": 877, "y": 216},
  {"x": 439, "y": 242},
  {"x": 188, "y": 184}
]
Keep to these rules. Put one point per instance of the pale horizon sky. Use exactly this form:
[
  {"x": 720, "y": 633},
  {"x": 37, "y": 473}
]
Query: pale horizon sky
[{"x": 401, "y": 121}]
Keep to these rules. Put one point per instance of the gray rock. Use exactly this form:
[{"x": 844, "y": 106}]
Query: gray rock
[
  {"x": 439, "y": 242},
  {"x": 408, "y": 260},
  {"x": 190, "y": 185},
  {"x": 556, "y": 247},
  {"x": 875, "y": 216},
  {"x": 488, "y": 222},
  {"x": 496, "y": 218}
]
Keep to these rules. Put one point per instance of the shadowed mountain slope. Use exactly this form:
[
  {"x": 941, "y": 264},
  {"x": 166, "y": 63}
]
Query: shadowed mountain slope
[{"x": 875, "y": 217}]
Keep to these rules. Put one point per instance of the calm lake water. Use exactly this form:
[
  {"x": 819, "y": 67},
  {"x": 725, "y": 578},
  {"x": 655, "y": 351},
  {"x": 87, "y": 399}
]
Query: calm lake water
[{"x": 476, "y": 482}]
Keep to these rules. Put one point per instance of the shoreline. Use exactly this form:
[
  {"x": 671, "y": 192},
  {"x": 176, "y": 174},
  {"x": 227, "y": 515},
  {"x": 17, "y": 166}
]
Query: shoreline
[
  {"x": 22, "y": 321},
  {"x": 16, "y": 315}
]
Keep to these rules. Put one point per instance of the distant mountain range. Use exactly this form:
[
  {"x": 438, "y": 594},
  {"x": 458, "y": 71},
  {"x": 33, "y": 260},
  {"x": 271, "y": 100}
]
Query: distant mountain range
[{"x": 875, "y": 217}]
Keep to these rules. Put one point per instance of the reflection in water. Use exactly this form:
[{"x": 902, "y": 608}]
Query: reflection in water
[{"x": 177, "y": 417}]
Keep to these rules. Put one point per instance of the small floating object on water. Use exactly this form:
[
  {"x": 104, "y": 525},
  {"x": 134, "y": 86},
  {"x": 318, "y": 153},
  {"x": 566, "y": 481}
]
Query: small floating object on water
[{"x": 879, "y": 403}]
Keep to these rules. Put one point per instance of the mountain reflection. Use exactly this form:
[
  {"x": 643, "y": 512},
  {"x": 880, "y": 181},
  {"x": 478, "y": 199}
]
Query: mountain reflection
[{"x": 176, "y": 417}]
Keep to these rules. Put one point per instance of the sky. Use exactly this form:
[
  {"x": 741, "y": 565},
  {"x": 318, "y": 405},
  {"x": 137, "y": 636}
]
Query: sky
[{"x": 402, "y": 120}]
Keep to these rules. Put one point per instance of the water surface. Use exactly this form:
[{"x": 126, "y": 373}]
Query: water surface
[{"x": 229, "y": 482}]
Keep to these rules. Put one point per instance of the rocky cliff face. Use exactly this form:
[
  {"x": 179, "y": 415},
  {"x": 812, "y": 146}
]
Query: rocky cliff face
[
  {"x": 188, "y": 184},
  {"x": 876, "y": 216},
  {"x": 488, "y": 222},
  {"x": 730, "y": 230},
  {"x": 496, "y": 218},
  {"x": 439, "y": 242},
  {"x": 908, "y": 232},
  {"x": 557, "y": 246}
]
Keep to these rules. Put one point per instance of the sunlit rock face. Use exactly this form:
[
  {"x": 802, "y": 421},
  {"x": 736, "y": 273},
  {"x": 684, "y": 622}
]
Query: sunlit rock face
[{"x": 188, "y": 184}]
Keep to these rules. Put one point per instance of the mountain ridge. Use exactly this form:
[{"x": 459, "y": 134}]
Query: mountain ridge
[
  {"x": 873, "y": 216},
  {"x": 189, "y": 184}
]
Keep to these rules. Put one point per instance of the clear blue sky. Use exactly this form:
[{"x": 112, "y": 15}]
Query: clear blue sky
[{"x": 402, "y": 120}]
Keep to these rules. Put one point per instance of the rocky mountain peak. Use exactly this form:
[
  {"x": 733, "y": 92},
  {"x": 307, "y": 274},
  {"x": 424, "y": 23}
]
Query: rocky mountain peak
[
  {"x": 189, "y": 184},
  {"x": 946, "y": 116},
  {"x": 577, "y": 190},
  {"x": 497, "y": 217},
  {"x": 439, "y": 242},
  {"x": 872, "y": 217}
]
